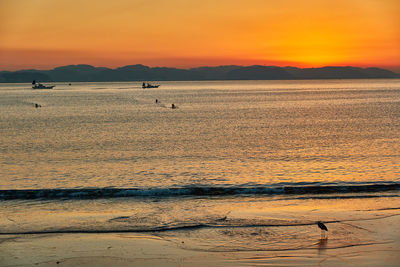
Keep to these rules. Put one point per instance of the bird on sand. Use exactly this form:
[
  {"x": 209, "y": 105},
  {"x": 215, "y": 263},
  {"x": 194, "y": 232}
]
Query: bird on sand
[{"x": 323, "y": 228}]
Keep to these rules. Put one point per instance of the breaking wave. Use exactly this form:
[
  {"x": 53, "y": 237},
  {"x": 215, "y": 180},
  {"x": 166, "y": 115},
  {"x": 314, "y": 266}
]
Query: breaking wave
[{"x": 199, "y": 190}]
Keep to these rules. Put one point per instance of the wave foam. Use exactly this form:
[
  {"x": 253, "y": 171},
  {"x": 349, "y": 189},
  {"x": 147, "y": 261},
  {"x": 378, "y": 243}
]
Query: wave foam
[{"x": 278, "y": 189}]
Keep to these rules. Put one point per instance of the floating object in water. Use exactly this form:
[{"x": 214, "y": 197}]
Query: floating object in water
[
  {"x": 148, "y": 85},
  {"x": 36, "y": 85}
]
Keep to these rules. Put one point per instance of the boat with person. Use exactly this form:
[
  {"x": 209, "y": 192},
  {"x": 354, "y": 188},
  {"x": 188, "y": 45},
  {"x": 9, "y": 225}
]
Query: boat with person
[
  {"x": 37, "y": 85},
  {"x": 148, "y": 85}
]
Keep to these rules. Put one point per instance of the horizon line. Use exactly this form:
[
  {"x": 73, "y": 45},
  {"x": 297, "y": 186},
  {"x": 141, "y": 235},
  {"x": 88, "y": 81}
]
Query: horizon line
[{"x": 207, "y": 66}]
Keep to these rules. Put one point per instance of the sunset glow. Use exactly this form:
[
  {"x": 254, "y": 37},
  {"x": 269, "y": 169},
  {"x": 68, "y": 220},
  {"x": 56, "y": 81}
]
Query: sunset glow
[{"x": 177, "y": 33}]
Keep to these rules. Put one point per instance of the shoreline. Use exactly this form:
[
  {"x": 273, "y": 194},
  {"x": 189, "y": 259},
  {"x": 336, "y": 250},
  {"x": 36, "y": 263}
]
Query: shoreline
[{"x": 143, "y": 249}]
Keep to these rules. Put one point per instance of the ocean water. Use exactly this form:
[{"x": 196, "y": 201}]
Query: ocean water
[{"x": 237, "y": 166}]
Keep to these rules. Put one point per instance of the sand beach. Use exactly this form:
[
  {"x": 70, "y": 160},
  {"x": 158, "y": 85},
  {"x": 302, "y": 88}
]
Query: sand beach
[{"x": 129, "y": 249}]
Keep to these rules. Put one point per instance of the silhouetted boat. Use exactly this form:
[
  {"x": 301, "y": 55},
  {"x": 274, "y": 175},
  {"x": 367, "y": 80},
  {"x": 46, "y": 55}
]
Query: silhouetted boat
[
  {"x": 148, "y": 85},
  {"x": 41, "y": 86},
  {"x": 36, "y": 85}
]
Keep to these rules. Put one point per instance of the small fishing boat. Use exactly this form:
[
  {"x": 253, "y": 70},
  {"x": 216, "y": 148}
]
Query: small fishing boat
[
  {"x": 148, "y": 85},
  {"x": 36, "y": 85}
]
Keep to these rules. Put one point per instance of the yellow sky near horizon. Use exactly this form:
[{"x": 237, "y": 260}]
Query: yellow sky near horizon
[{"x": 184, "y": 33}]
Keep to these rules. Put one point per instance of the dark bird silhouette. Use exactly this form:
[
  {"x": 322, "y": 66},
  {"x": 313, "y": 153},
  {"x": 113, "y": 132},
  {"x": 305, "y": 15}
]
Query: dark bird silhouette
[{"x": 323, "y": 228}]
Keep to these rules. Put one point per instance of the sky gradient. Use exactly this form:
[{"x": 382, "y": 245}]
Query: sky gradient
[{"x": 182, "y": 33}]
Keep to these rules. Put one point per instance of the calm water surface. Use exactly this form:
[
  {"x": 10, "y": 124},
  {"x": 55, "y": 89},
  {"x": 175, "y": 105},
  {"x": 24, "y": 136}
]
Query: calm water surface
[
  {"x": 237, "y": 159},
  {"x": 222, "y": 133}
]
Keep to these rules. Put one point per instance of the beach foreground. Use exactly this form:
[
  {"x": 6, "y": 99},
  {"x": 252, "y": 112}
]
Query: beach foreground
[{"x": 133, "y": 249}]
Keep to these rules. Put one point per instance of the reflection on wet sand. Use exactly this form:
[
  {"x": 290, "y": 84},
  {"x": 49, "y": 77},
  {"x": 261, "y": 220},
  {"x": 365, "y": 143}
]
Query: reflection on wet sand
[{"x": 322, "y": 244}]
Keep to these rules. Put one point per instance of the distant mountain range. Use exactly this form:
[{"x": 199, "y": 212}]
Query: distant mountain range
[{"x": 87, "y": 73}]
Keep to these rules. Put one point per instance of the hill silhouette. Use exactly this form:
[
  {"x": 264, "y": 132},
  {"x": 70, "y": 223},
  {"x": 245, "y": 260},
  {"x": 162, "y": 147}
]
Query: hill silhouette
[{"x": 87, "y": 73}]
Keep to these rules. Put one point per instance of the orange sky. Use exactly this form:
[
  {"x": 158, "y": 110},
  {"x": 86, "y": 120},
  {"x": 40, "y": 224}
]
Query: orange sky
[{"x": 186, "y": 33}]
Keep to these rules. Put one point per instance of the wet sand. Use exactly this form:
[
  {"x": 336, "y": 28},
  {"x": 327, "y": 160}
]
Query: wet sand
[{"x": 131, "y": 249}]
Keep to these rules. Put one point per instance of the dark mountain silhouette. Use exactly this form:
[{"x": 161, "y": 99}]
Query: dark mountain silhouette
[
  {"x": 259, "y": 73},
  {"x": 215, "y": 73},
  {"x": 75, "y": 73},
  {"x": 340, "y": 73},
  {"x": 23, "y": 76},
  {"x": 87, "y": 73}
]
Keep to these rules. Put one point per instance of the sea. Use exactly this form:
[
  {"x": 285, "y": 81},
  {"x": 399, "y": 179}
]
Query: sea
[{"x": 235, "y": 166}]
